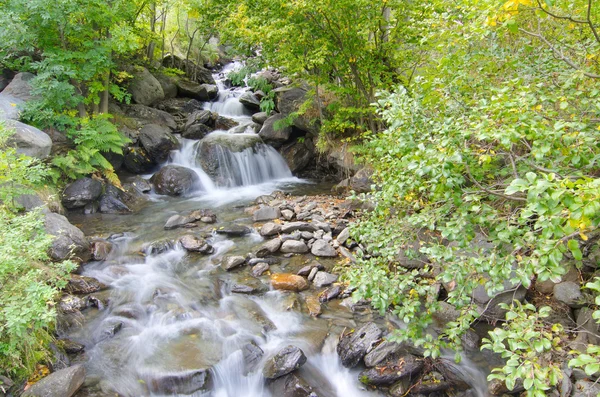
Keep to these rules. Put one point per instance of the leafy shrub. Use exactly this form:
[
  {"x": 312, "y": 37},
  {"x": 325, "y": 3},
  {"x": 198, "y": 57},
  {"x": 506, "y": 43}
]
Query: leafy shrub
[
  {"x": 267, "y": 103},
  {"x": 29, "y": 282},
  {"x": 238, "y": 77},
  {"x": 260, "y": 84}
]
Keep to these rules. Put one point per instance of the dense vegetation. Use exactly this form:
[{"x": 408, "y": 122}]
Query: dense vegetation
[{"x": 479, "y": 119}]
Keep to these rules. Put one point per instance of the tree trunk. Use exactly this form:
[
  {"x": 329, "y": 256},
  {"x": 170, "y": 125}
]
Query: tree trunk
[{"x": 152, "y": 44}]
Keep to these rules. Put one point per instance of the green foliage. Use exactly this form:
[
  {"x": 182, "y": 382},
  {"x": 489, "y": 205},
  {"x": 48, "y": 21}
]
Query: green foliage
[
  {"x": 589, "y": 361},
  {"x": 29, "y": 281},
  {"x": 260, "y": 84},
  {"x": 92, "y": 137},
  {"x": 238, "y": 76},
  {"x": 267, "y": 103}
]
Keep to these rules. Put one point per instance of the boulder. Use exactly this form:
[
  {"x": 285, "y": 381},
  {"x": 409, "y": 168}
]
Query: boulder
[
  {"x": 266, "y": 213},
  {"x": 10, "y": 106},
  {"x": 217, "y": 145},
  {"x": 63, "y": 383},
  {"x": 324, "y": 279},
  {"x": 298, "y": 226},
  {"x": 233, "y": 230},
  {"x": 194, "y": 244},
  {"x": 225, "y": 124},
  {"x": 197, "y": 72},
  {"x": 294, "y": 247},
  {"x": 289, "y": 100},
  {"x": 385, "y": 351},
  {"x": 353, "y": 346},
  {"x": 196, "y": 131},
  {"x": 137, "y": 160},
  {"x": 145, "y": 89},
  {"x": 288, "y": 282},
  {"x": 361, "y": 182},
  {"x": 144, "y": 115},
  {"x": 71, "y": 304},
  {"x": 201, "y": 92},
  {"x": 141, "y": 185},
  {"x": 175, "y": 383},
  {"x": 298, "y": 155},
  {"x": 323, "y": 249},
  {"x": 391, "y": 372},
  {"x": 180, "y": 106},
  {"x": 158, "y": 142},
  {"x": 231, "y": 262},
  {"x": 83, "y": 285},
  {"x": 259, "y": 269},
  {"x": 19, "y": 87},
  {"x": 270, "y": 229},
  {"x": 69, "y": 242},
  {"x": 249, "y": 100},
  {"x": 252, "y": 354},
  {"x": 174, "y": 180},
  {"x": 287, "y": 360},
  {"x": 269, "y": 247},
  {"x": 29, "y": 140},
  {"x": 101, "y": 249},
  {"x": 272, "y": 135},
  {"x": 260, "y": 117},
  {"x": 569, "y": 293},
  {"x": 291, "y": 385},
  {"x": 113, "y": 201},
  {"x": 81, "y": 192},
  {"x": 168, "y": 85}
]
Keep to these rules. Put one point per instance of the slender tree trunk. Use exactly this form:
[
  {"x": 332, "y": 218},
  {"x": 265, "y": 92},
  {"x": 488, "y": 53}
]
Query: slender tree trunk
[
  {"x": 163, "y": 29},
  {"x": 152, "y": 44}
]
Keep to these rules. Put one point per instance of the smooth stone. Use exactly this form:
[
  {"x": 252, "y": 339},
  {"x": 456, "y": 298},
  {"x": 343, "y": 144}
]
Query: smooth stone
[
  {"x": 174, "y": 180},
  {"x": 312, "y": 274},
  {"x": 381, "y": 353},
  {"x": 298, "y": 226},
  {"x": 330, "y": 293},
  {"x": 287, "y": 360},
  {"x": 186, "y": 382},
  {"x": 81, "y": 192},
  {"x": 63, "y": 383},
  {"x": 323, "y": 279},
  {"x": 569, "y": 293},
  {"x": 314, "y": 305},
  {"x": 234, "y": 230},
  {"x": 269, "y": 247},
  {"x": 231, "y": 262},
  {"x": 259, "y": 269},
  {"x": 252, "y": 355},
  {"x": 288, "y": 215},
  {"x": 194, "y": 244},
  {"x": 323, "y": 249},
  {"x": 294, "y": 247},
  {"x": 101, "y": 249},
  {"x": 288, "y": 282},
  {"x": 270, "y": 229},
  {"x": 69, "y": 242},
  {"x": 266, "y": 213}
]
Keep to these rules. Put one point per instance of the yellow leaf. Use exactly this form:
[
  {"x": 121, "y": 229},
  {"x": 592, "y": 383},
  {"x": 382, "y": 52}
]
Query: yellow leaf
[{"x": 583, "y": 236}]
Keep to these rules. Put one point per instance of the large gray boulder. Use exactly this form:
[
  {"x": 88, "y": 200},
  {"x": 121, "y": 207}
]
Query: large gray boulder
[
  {"x": 145, "y": 88},
  {"x": 137, "y": 160},
  {"x": 287, "y": 360},
  {"x": 298, "y": 154},
  {"x": 289, "y": 100},
  {"x": 158, "y": 141},
  {"x": 168, "y": 85},
  {"x": 272, "y": 135},
  {"x": 10, "y": 106},
  {"x": 174, "y": 180},
  {"x": 144, "y": 115},
  {"x": 29, "y": 140},
  {"x": 69, "y": 242},
  {"x": 216, "y": 145},
  {"x": 355, "y": 345},
  {"x": 20, "y": 87},
  {"x": 322, "y": 248},
  {"x": 199, "y": 124},
  {"x": 249, "y": 100},
  {"x": 63, "y": 383},
  {"x": 201, "y": 92},
  {"x": 81, "y": 192}
]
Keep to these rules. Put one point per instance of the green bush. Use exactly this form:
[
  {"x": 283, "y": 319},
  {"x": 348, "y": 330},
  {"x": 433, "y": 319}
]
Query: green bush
[
  {"x": 238, "y": 77},
  {"x": 29, "y": 281}
]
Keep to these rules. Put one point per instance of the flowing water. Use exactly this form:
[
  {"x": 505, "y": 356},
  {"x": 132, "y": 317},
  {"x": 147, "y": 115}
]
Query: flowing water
[{"x": 168, "y": 316}]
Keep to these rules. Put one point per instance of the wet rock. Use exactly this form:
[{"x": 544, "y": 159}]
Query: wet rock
[
  {"x": 81, "y": 192},
  {"x": 196, "y": 131},
  {"x": 270, "y": 229},
  {"x": 291, "y": 385},
  {"x": 249, "y": 310},
  {"x": 391, "y": 372},
  {"x": 268, "y": 260},
  {"x": 198, "y": 125},
  {"x": 145, "y": 115},
  {"x": 83, "y": 285},
  {"x": 330, "y": 293},
  {"x": 298, "y": 226},
  {"x": 231, "y": 262},
  {"x": 174, "y": 180},
  {"x": 252, "y": 355},
  {"x": 141, "y": 185},
  {"x": 201, "y": 92},
  {"x": 298, "y": 155},
  {"x": 272, "y": 135},
  {"x": 101, "y": 249},
  {"x": 194, "y": 244},
  {"x": 323, "y": 249},
  {"x": 158, "y": 247},
  {"x": 288, "y": 282},
  {"x": 312, "y": 274},
  {"x": 214, "y": 146},
  {"x": 69, "y": 242},
  {"x": 569, "y": 293},
  {"x": 71, "y": 347},
  {"x": 314, "y": 305},
  {"x": 585, "y": 388},
  {"x": 259, "y": 269},
  {"x": 284, "y": 362},
  {"x": 270, "y": 247},
  {"x": 294, "y": 247},
  {"x": 225, "y": 124},
  {"x": 247, "y": 288},
  {"x": 323, "y": 279},
  {"x": 185, "y": 382},
  {"x": 63, "y": 383},
  {"x": 158, "y": 141},
  {"x": 234, "y": 230},
  {"x": 111, "y": 330},
  {"x": 384, "y": 351},
  {"x": 266, "y": 213},
  {"x": 180, "y": 221},
  {"x": 145, "y": 89},
  {"x": 71, "y": 304},
  {"x": 137, "y": 160},
  {"x": 305, "y": 271},
  {"x": 260, "y": 117},
  {"x": 113, "y": 201},
  {"x": 249, "y": 100},
  {"x": 355, "y": 345}
]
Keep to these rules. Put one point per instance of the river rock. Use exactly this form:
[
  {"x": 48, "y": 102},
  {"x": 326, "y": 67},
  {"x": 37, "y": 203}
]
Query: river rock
[
  {"x": 272, "y": 135},
  {"x": 81, "y": 192},
  {"x": 145, "y": 89},
  {"x": 113, "y": 201},
  {"x": 249, "y": 100},
  {"x": 83, "y": 285},
  {"x": 174, "y": 383},
  {"x": 198, "y": 125},
  {"x": 101, "y": 249},
  {"x": 158, "y": 141},
  {"x": 298, "y": 154},
  {"x": 71, "y": 304},
  {"x": 289, "y": 100},
  {"x": 313, "y": 305},
  {"x": 391, "y": 372},
  {"x": 260, "y": 117},
  {"x": 294, "y": 247},
  {"x": 69, "y": 242},
  {"x": 141, "y": 185},
  {"x": 385, "y": 351},
  {"x": 234, "y": 230},
  {"x": 288, "y": 215},
  {"x": 266, "y": 213},
  {"x": 270, "y": 229},
  {"x": 298, "y": 226},
  {"x": 225, "y": 124},
  {"x": 216, "y": 145},
  {"x": 343, "y": 236},
  {"x": 231, "y": 262},
  {"x": 137, "y": 160},
  {"x": 330, "y": 293},
  {"x": 201, "y": 92},
  {"x": 323, "y": 249},
  {"x": 569, "y": 293},
  {"x": 585, "y": 388},
  {"x": 63, "y": 383},
  {"x": 288, "y": 282},
  {"x": 287, "y": 360},
  {"x": 180, "y": 221},
  {"x": 194, "y": 244},
  {"x": 269, "y": 247},
  {"x": 168, "y": 85},
  {"x": 28, "y": 140},
  {"x": 355, "y": 345},
  {"x": 157, "y": 247},
  {"x": 252, "y": 355},
  {"x": 323, "y": 279},
  {"x": 259, "y": 269},
  {"x": 174, "y": 180},
  {"x": 144, "y": 115},
  {"x": 196, "y": 131}
]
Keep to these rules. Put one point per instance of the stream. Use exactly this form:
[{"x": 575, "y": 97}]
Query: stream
[{"x": 171, "y": 317}]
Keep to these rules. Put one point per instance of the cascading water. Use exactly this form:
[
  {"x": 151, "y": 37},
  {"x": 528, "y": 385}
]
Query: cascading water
[{"x": 227, "y": 103}]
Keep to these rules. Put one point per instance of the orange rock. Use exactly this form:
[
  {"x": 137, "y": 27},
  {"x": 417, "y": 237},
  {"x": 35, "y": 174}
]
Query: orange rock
[
  {"x": 313, "y": 305},
  {"x": 288, "y": 282}
]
